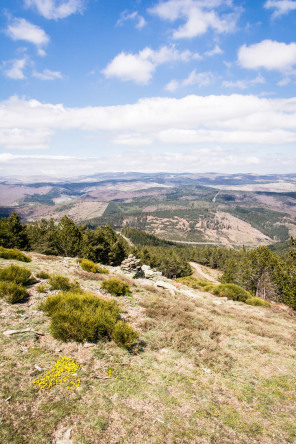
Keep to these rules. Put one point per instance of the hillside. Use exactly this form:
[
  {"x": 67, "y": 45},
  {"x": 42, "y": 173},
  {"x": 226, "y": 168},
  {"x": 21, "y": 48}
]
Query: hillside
[
  {"x": 206, "y": 369},
  {"x": 224, "y": 210}
]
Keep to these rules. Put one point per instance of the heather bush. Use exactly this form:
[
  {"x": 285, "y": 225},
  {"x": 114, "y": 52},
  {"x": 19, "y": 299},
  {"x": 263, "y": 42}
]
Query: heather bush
[
  {"x": 192, "y": 282},
  {"x": 91, "y": 267},
  {"x": 6, "y": 253},
  {"x": 12, "y": 292},
  {"x": 124, "y": 335},
  {"x": 231, "y": 291},
  {"x": 116, "y": 287},
  {"x": 43, "y": 275},
  {"x": 18, "y": 275},
  {"x": 86, "y": 317},
  {"x": 257, "y": 301},
  {"x": 59, "y": 282}
]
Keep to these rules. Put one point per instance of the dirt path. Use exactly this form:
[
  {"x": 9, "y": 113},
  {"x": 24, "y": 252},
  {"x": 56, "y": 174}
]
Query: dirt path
[
  {"x": 201, "y": 273},
  {"x": 126, "y": 238}
]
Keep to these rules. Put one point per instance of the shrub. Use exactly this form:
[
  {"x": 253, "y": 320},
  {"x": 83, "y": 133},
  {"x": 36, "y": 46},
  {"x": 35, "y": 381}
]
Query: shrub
[
  {"x": 124, "y": 335},
  {"x": 116, "y": 287},
  {"x": 43, "y": 275},
  {"x": 42, "y": 288},
  {"x": 192, "y": 282},
  {"x": 6, "y": 253},
  {"x": 91, "y": 267},
  {"x": 18, "y": 275},
  {"x": 59, "y": 282},
  {"x": 257, "y": 301},
  {"x": 209, "y": 287},
  {"x": 231, "y": 291},
  {"x": 85, "y": 317},
  {"x": 12, "y": 292}
]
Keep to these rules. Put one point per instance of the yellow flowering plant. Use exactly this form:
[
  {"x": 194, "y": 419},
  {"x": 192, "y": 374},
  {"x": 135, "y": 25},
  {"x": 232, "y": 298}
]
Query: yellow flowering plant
[{"x": 62, "y": 373}]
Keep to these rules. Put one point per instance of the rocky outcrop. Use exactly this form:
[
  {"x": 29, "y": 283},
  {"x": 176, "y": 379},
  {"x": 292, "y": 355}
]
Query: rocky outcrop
[{"x": 132, "y": 265}]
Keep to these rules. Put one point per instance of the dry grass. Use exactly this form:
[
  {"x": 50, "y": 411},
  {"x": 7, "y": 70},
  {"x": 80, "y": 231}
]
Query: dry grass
[{"x": 202, "y": 373}]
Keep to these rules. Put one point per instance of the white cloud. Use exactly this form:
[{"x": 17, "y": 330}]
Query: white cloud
[
  {"x": 125, "y": 16},
  {"x": 268, "y": 54},
  {"x": 194, "y": 160},
  {"x": 141, "y": 66},
  {"x": 55, "y": 9},
  {"x": 47, "y": 74},
  {"x": 14, "y": 68},
  {"x": 161, "y": 121},
  {"x": 199, "y": 16},
  {"x": 281, "y": 7},
  {"x": 215, "y": 51},
  {"x": 195, "y": 78},
  {"x": 244, "y": 84},
  {"x": 21, "y": 29}
]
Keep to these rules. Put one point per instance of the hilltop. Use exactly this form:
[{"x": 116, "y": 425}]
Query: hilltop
[{"x": 206, "y": 369}]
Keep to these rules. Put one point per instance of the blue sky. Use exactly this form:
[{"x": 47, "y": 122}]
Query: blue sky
[{"x": 193, "y": 85}]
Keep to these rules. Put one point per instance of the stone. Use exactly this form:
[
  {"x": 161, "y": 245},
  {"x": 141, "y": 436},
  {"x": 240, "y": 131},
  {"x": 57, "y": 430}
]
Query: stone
[{"x": 166, "y": 286}]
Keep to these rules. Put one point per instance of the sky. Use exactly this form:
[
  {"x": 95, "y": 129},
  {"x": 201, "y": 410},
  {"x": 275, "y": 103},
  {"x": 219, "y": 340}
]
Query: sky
[{"x": 92, "y": 86}]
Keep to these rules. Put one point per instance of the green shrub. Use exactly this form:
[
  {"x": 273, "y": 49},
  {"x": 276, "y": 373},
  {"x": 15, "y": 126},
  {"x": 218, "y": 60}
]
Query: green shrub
[
  {"x": 230, "y": 291},
  {"x": 42, "y": 288},
  {"x": 91, "y": 267},
  {"x": 18, "y": 275},
  {"x": 59, "y": 282},
  {"x": 88, "y": 265},
  {"x": 192, "y": 282},
  {"x": 86, "y": 317},
  {"x": 6, "y": 253},
  {"x": 43, "y": 275},
  {"x": 257, "y": 301},
  {"x": 209, "y": 287},
  {"x": 116, "y": 287},
  {"x": 12, "y": 292},
  {"x": 124, "y": 335}
]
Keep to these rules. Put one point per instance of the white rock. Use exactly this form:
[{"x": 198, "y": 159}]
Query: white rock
[{"x": 166, "y": 286}]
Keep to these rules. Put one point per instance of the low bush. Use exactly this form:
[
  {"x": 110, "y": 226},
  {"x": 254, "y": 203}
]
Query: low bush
[
  {"x": 7, "y": 253},
  {"x": 124, "y": 335},
  {"x": 209, "y": 287},
  {"x": 43, "y": 275},
  {"x": 18, "y": 275},
  {"x": 86, "y": 317},
  {"x": 116, "y": 287},
  {"x": 230, "y": 291},
  {"x": 257, "y": 301},
  {"x": 91, "y": 267},
  {"x": 192, "y": 282},
  {"x": 42, "y": 288},
  {"x": 59, "y": 282},
  {"x": 12, "y": 292}
]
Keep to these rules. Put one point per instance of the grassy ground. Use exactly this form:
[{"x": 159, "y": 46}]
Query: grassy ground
[{"x": 206, "y": 371}]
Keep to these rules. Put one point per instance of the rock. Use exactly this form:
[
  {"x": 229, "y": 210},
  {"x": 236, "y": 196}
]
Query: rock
[
  {"x": 166, "y": 286},
  {"x": 132, "y": 265}
]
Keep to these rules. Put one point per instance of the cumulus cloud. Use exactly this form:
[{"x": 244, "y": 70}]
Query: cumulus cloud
[
  {"x": 281, "y": 7},
  {"x": 199, "y": 16},
  {"x": 14, "y": 69},
  {"x": 268, "y": 54},
  {"x": 55, "y": 9},
  {"x": 47, "y": 74},
  {"x": 244, "y": 84},
  {"x": 21, "y": 29},
  {"x": 140, "y": 67},
  {"x": 134, "y": 16},
  {"x": 161, "y": 121},
  {"x": 195, "y": 78}
]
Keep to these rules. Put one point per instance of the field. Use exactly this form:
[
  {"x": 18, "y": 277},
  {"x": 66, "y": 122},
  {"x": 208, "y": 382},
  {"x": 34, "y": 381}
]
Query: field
[{"x": 205, "y": 370}]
